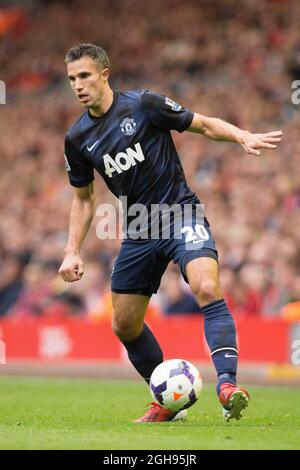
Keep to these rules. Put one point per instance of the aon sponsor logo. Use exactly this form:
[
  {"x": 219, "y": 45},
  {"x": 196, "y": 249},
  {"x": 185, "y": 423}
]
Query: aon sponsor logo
[{"x": 123, "y": 160}]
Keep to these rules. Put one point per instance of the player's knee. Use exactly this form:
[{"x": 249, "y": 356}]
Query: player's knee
[
  {"x": 124, "y": 328},
  {"x": 121, "y": 326},
  {"x": 207, "y": 290}
]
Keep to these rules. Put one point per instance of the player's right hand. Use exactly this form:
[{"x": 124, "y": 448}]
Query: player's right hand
[{"x": 72, "y": 268}]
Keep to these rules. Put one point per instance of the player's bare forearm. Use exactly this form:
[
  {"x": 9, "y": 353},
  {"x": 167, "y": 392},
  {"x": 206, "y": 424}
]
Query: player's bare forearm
[
  {"x": 217, "y": 129},
  {"x": 81, "y": 217},
  {"x": 82, "y": 213}
]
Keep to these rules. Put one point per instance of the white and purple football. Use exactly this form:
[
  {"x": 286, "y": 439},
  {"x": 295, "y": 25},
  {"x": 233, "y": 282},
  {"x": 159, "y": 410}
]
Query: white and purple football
[{"x": 176, "y": 384}]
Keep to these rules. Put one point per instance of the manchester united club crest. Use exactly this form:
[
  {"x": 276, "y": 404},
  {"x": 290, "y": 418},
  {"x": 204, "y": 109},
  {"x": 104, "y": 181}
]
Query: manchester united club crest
[{"x": 128, "y": 126}]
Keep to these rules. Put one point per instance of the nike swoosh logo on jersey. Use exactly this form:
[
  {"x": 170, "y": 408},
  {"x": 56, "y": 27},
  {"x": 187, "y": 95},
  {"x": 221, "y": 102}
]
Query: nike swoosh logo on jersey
[
  {"x": 92, "y": 146},
  {"x": 229, "y": 355}
]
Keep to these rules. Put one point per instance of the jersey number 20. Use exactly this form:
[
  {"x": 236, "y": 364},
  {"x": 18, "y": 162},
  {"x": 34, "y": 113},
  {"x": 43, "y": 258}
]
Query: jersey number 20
[{"x": 198, "y": 235}]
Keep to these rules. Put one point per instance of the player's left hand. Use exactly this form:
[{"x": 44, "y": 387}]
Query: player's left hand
[{"x": 252, "y": 142}]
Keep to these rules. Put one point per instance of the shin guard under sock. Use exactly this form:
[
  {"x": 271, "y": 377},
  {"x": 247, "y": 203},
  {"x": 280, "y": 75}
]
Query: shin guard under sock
[
  {"x": 144, "y": 353},
  {"x": 220, "y": 335}
]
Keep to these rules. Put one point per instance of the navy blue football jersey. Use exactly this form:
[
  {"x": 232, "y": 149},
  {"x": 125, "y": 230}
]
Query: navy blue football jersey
[{"x": 131, "y": 147}]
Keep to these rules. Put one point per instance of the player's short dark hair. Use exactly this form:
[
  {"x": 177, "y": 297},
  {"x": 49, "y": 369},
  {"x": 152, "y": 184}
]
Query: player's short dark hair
[{"x": 90, "y": 50}]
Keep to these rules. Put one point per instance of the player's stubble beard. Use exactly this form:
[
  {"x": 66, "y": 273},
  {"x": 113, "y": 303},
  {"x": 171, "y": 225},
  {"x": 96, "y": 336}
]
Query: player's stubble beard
[{"x": 94, "y": 103}]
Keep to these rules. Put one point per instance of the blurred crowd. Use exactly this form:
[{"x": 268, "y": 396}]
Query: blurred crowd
[{"x": 233, "y": 60}]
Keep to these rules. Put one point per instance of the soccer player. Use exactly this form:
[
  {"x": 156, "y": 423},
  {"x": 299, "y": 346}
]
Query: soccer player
[{"x": 125, "y": 136}]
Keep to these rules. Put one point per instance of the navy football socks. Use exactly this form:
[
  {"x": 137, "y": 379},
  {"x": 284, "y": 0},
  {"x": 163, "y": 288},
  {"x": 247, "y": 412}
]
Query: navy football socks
[
  {"x": 220, "y": 335},
  {"x": 144, "y": 353}
]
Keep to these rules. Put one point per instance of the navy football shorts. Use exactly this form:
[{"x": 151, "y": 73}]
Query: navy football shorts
[{"x": 141, "y": 263}]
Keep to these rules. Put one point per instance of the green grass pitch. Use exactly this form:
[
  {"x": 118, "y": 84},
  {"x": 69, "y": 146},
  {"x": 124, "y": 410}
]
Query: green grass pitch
[{"x": 90, "y": 414}]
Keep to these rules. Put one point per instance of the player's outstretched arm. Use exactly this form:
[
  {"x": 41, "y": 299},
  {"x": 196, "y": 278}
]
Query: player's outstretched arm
[
  {"x": 218, "y": 129},
  {"x": 81, "y": 217}
]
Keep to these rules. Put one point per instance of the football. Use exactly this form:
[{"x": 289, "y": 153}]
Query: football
[{"x": 176, "y": 384}]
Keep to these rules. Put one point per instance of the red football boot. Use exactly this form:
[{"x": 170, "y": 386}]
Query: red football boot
[
  {"x": 234, "y": 400},
  {"x": 158, "y": 413}
]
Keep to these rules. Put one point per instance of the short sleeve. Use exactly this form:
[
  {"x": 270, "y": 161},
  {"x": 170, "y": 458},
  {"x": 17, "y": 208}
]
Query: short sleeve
[
  {"x": 166, "y": 113},
  {"x": 80, "y": 170}
]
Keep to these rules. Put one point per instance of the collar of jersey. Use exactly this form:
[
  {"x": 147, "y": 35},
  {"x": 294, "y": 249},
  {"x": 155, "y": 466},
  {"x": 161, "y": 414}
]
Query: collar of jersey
[{"x": 99, "y": 118}]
